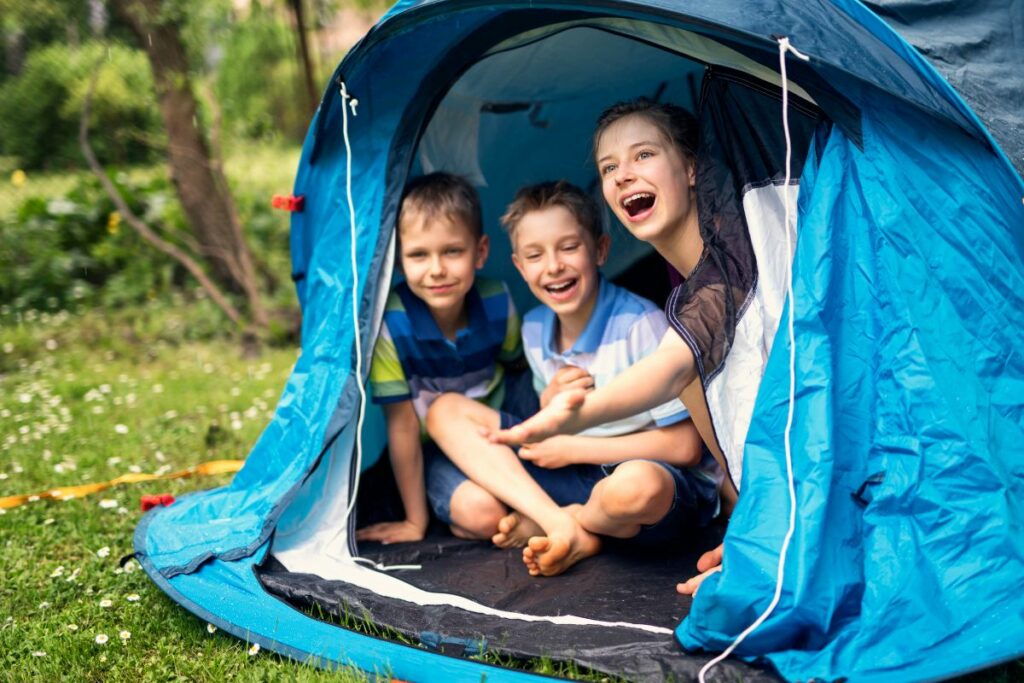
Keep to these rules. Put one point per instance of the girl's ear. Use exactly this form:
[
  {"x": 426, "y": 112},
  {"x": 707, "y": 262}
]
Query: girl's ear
[
  {"x": 692, "y": 172},
  {"x": 483, "y": 248},
  {"x": 603, "y": 245}
]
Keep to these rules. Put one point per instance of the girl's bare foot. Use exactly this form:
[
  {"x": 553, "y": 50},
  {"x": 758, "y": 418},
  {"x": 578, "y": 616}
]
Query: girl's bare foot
[
  {"x": 554, "y": 553},
  {"x": 514, "y": 530}
]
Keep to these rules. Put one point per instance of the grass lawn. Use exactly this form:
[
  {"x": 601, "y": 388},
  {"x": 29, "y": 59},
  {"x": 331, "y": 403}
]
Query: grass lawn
[{"x": 84, "y": 399}]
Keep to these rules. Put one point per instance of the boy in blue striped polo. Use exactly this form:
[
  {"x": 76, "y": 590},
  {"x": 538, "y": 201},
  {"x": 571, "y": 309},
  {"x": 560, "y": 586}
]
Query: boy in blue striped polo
[
  {"x": 646, "y": 477},
  {"x": 444, "y": 330}
]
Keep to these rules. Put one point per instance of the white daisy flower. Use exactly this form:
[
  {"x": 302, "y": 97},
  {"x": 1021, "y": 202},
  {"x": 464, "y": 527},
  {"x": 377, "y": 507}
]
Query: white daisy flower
[
  {"x": 103, "y": 552},
  {"x": 124, "y": 635},
  {"x": 211, "y": 629},
  {"x": 72, "y": 627},
  {"x": 38, "y": 653},
  {"x": 121, "y": 429},
  {"x": 59, "y": 571},
  {"x": 101, "y": 638},
  {"x": 134, "y": 597},
  {"x": 108, "y": 504},
  {"x": 254, "y": 650},
  {"x": 106, "y": 602}
]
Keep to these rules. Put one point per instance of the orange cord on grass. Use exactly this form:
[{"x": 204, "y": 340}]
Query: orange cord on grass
[{"x": 69, "y": 492}]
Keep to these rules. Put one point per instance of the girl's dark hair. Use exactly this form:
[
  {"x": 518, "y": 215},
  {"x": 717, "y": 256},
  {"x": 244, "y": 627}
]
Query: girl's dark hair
[{"x": 676, "y": 123}]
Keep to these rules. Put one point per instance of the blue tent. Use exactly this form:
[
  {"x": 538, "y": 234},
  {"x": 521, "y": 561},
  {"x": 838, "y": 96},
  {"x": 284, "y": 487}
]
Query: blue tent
[{"x": 908, "y": 305}]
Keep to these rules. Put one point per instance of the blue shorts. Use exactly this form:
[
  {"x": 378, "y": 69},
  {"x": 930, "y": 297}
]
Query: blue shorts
[{"x": 693, "y": 505}]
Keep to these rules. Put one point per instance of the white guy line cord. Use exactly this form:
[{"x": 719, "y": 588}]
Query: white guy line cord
[
  {"x": 352, "y": 102},
  {"x": 385, "y": 567},
  {"x": 784, "y": 47}
]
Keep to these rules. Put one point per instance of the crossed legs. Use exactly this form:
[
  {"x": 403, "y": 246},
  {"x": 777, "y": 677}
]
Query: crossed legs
[
  {"x": 636, "y": 494},
  {"x": 459, "y": 426}
]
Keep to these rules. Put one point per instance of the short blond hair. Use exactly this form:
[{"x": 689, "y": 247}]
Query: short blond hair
[{"x": 546, "y": 195}]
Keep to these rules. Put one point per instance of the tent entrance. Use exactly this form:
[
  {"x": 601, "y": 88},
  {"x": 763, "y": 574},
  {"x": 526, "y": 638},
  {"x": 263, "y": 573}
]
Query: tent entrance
[{"x": 523, "y": 114}]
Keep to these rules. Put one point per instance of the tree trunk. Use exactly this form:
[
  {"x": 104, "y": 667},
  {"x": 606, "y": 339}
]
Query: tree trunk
[
  {"x": 200, "y": 184},
  {"x": 304, "y": 54}
]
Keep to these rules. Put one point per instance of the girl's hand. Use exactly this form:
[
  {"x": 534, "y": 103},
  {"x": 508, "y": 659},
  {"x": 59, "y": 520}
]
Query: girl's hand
[
  {"x": 569, "y": 377},
  {"x": 559, "y": 417},
  {"x": 550, "y": 453},
  {"x": 392, "y": 532}
]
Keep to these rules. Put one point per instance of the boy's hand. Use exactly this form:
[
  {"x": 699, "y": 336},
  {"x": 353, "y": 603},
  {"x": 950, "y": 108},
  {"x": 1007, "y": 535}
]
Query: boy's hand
[
  {"x": 559, "y": 417},
  {"x": 550, "y": 453},
  {"x": 569, "y": 377},
  {"x": 392, "y": 532}
]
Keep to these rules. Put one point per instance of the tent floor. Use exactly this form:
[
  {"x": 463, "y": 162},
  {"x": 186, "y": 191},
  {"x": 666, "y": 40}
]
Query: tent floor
[{"x": 622, "y": 584}]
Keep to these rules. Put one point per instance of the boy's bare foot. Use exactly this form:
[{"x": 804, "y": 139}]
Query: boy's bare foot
[
  {"x": 562, "y": 548},
  {"x": 559, "y": 417},
  {"x": 514, "y": 530},
  {"x": 709, "y": 563}
]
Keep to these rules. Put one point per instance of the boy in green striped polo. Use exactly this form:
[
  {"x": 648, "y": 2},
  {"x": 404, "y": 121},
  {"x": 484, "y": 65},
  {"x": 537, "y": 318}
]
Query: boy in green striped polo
[{"x": 444, "y": 330}]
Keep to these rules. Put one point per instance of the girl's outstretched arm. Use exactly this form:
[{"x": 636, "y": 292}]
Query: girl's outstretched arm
[{"x": 657, "y": 379}]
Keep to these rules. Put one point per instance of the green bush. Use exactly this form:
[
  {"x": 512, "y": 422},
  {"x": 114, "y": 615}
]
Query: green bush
[
  {"x": 74, "y": 250},
  {"x": 259, "y": 84},
  {"x": 40, "y": 108}
]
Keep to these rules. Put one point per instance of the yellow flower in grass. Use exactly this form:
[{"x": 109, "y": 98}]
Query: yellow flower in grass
[
  {"x": 113, "y": 222},
  {"x": 18, "y": 178}
]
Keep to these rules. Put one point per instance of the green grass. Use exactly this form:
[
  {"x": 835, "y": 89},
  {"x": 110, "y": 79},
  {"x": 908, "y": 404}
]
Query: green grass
[{"x": 79, "y": 403}]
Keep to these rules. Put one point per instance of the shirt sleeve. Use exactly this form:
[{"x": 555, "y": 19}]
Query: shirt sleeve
[
  {"x": 387, "y": 377},
  {"x": 644, "y": 338},
  {"x": 512, "y": 346}
]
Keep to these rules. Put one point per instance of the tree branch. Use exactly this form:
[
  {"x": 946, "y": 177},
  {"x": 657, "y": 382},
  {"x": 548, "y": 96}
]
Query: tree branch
[{"x": 137, "y": 223}]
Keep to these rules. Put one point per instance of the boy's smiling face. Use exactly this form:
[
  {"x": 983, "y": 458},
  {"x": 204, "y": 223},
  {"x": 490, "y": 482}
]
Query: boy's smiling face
[
  {"x": 558, "y": 259},
  {"x": 440, "y": 256}
]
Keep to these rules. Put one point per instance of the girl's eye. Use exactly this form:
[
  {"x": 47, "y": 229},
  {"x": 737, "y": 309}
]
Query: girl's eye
[
  {"x": 572, "y": 246},
  {"x": 532, "y": 256},
  {"x": 608, "y": 168},
  {"x": 453, "y": 251},
  {"x": 645, "y": 154},
  {"x": 415, "y": 255}
]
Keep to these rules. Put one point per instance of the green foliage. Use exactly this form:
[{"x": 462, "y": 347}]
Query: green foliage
[
  {"x": 69, "y": 249},
  {"x": 40, "y": 109},
  {"x": 76, "y": 250},
  {"x": 259, "y": 83}
]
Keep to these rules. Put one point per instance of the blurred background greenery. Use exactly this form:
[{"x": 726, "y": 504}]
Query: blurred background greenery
[{"x": 256, "y": 69}]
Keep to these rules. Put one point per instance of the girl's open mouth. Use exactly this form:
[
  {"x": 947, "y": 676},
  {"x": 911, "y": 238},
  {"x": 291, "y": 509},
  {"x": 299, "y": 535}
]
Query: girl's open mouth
[{"x": 636, "y": 205}]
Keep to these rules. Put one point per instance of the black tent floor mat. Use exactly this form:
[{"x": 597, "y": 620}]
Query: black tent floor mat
[{"x": 621, "y": 584}]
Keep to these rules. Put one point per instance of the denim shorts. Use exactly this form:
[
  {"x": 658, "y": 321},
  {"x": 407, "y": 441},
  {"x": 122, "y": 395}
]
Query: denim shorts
[{"x": 693, "y": 505}]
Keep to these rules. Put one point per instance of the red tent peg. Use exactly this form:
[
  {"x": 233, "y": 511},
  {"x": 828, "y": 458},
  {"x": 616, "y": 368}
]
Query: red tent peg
[{"x": 288, "y": 202}]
